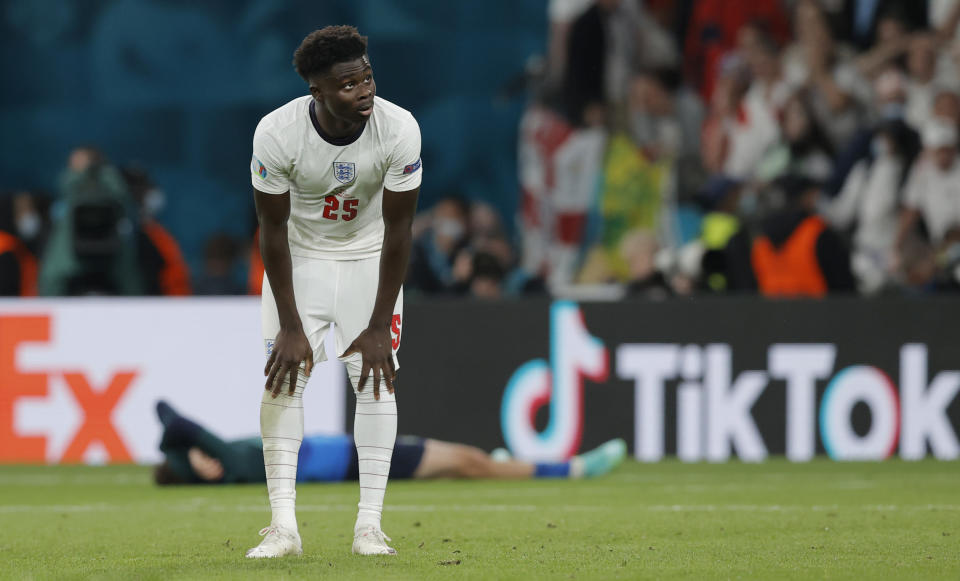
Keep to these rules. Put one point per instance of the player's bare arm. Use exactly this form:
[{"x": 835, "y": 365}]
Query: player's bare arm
[
  {"x": 291, "y": 347},
  {"x": 374, "y": 343}
]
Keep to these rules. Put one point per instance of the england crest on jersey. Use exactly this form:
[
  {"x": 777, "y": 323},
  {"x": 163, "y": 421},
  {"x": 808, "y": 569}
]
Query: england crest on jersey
[{"x": 344, "y": 171}]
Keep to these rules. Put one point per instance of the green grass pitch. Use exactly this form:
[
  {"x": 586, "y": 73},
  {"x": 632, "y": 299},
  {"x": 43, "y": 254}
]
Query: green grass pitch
[{"x": 823, "y": 520}]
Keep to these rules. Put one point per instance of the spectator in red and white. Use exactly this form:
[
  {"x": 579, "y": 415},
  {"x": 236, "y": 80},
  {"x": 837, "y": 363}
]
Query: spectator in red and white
[
  {"x": 577, "y": 165},
  {"x": 542, "y": 133},
  {"x": 749, "y": 94},
  {"x": 735, "y": 136},
  {"x": 932, "y": 193},
  {"x": 559, "y": 166},
  {"x": 823, "y": 67}
]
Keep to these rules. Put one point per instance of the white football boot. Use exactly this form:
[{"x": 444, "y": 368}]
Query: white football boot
[
  {"x": 277, "y": 542},
  {"x": 371, "y": 541}
]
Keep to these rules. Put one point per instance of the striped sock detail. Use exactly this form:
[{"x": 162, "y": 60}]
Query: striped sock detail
[
  {"x": 281, "y": 428},
  {"x": 374, "y": 432}
]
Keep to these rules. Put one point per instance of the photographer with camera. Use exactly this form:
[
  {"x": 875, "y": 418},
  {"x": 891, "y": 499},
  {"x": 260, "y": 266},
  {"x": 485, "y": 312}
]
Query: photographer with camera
[{"x": 91, "y": 250}]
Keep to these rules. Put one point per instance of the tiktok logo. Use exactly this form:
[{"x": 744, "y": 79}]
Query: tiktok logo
[{"x": 574, "y": 355}]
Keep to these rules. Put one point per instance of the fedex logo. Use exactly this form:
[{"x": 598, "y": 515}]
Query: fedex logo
[
  {"x": 80, "y": 379},
  {"x": 97, "y": 403}
]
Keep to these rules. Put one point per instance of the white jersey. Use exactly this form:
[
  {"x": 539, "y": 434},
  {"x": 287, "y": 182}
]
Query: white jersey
[{"x": 336, "y": 185}]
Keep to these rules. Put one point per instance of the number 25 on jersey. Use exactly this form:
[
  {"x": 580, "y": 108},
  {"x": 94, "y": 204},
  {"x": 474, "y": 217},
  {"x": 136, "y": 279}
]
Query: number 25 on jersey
[{"x": 332, "y": 208}]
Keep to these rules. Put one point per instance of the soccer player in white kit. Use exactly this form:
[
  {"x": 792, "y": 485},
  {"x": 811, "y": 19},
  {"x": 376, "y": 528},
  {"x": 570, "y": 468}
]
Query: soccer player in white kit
[{"x": 335, "y": 176}]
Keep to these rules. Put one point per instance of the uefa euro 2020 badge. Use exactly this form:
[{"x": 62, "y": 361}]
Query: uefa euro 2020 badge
[
  {"x": 345, "y": 171},
  {"x": 258, "y": 169}
]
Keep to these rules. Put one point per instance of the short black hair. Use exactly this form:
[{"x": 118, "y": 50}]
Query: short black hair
[{"x": 323, "y": 48}]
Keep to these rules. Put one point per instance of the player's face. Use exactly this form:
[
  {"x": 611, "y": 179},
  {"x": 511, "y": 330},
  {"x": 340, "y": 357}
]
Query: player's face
[{"x": 347, "y": 90}]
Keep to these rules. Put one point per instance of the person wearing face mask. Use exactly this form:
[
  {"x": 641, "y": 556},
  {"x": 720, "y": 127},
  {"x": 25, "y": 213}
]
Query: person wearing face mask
[
  {"x": 868, "y": 202},
  {"x": 29, "y": 210},
  {"x": 28, "y": 225},
  {"x": 890, "y": 97},
  {"x": 18, "y": 266},
  {"x": 432, "y": 257},
  {"x": 161, "y": 262}
]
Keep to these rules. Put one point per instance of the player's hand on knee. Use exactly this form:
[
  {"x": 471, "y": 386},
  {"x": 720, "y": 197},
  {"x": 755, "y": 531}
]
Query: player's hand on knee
[
  {"x": 374, "y": 347},
  {"x": 290, "y": 349}
]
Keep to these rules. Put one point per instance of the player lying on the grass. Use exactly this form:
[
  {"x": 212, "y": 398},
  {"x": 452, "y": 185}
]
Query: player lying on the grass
[{"x": 196, "y": 456}]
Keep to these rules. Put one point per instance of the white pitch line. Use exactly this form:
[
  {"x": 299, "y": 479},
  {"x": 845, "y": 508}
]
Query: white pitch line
[
  {"x": 195, "y": 506},
  {"x": 200, "y": 504},
  {"x": 389, "y": 508}
]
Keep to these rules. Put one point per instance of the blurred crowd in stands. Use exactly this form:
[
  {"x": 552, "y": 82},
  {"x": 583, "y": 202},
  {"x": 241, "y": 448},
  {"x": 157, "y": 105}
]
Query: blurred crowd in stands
[
  {"x": 97, "y": 235},
  {"x": 791, "y": 148},
  {"x": 781, "y": 147}
]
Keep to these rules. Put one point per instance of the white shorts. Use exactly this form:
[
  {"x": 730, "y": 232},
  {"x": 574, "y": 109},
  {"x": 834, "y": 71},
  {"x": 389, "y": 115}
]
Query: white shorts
[{"x": 341, "y": 292}]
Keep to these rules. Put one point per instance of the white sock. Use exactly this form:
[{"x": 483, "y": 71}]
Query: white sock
[
  {"x": 281, "y": 427},
  {"x": 374, "y": 432}
]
